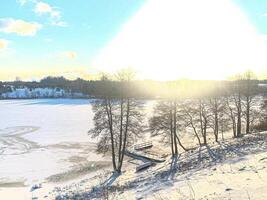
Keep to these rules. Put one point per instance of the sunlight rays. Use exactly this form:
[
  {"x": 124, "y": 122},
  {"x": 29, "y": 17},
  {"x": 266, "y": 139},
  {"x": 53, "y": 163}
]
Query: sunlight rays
[{"x": 170, "y": 39}]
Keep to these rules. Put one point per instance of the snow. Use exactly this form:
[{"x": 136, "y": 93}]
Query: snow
[
  {"x": 231, "y": 169},
  {"x": 239, "y": 178},
  {"x": 39, "y": 137},
  {"x": 44, "y": 137},
  {"x": 57, "y": 120}
]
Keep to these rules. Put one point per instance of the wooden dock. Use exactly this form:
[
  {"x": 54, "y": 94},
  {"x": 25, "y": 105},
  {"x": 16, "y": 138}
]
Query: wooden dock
[
  {"x": 145, "y": 158},
  {"x": 142, "y": 146},
  {"x": 143, "y": 166}
]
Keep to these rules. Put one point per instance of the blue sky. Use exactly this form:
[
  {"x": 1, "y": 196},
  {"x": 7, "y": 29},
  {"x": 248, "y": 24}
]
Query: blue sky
[
  {"x": 87, "y": 27},
  {"x": 255, "y": 10},
  {"x": 40, "y": 38}
]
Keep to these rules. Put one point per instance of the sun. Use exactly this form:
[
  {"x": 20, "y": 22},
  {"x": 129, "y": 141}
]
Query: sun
[{"x": 170, "y": 39}]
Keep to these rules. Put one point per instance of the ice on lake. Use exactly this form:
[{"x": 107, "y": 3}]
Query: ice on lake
[{"x": 39, "y": 137}]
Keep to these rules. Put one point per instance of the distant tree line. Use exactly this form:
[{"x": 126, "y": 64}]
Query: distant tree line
[{"x": 140, "y": 88}]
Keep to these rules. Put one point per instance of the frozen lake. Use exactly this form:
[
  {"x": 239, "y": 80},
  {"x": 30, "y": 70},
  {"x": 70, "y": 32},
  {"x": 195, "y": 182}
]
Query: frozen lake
[
  {"x": 57, "y": 119},
  {"x": 42, "y": 137}
]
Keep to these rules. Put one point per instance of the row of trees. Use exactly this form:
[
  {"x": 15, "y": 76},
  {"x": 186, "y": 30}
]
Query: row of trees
[
  {"x": 140, "y": 88},
  {"x": 234, "y": 106},
  {"x": 201, "y": 110}
]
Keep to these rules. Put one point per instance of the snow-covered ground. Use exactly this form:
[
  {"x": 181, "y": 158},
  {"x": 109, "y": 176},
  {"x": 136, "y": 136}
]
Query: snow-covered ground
[
  {"x": 45, "y": 141},
  {"x": 231, "y": 169},
  {"x": 43, "y": 137}
]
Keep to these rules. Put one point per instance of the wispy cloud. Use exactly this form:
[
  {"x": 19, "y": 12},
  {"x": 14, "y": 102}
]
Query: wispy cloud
[
  {"x": 264, "y": 15},
  {"x": 18, "y": 26},
  {"x": 4, "y": 44},
  {"x": 55, "y": 14},
  {"x": 68, "y": 54},
  {"x": 42, "y": 8},
  {"x": 22, "y": 2}
]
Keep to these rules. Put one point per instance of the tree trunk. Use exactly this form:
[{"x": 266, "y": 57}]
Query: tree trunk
[
  {"x": 121, "y": 125},
  {"x": 171, "y": 130},
  {"x": 205, "y": 132},
  {"x": 174, "y": 129},
  {"x": 195, "y": 131},
  {"x": 216, "y": 129},
  {"x": 110, "y": 121},
  {"x": 179, "y": 142},
  {"x": 216, "y": 122},
  {"x": 232, "y": 116},
  {"x": 248, "y": 116},
  {"x": 125, "y": 134},
  {"x": 234, "y": 128},
  {"x": 238, "y": 134},
  {"x": 200, "y": 118}
]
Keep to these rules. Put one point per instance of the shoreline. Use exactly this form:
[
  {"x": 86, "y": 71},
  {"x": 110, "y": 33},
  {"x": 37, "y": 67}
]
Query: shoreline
[{"x": 78, "y": 160}]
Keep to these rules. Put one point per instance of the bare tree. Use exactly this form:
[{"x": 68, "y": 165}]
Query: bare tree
[
  {"x": 231, "y": 112},
  {"x": 261, "y": 124},
  {"x": 118, "y": 117},
  {"x": 204, "y": 115},
  {"x": 218, "y": 121},
  {"x": 191, "y": 119},
  {"x": 165, "y": 123},
  {"x": 249, "y": 93},
  {"x": 236, "y": 95},
  {"x": 242, "y": 102},
  {"x": 197, "y": 116}
]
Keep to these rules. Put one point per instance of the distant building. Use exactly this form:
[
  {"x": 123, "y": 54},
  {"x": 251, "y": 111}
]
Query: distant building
[
  {"x": 26, "y": 93},
  {"x": 262, "y": 85}
]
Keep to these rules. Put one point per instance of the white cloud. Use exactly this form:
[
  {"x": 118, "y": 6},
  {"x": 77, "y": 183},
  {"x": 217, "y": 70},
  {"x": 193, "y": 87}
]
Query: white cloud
[
  {"x": 4, "y": 44},
  {"x": 68, "y": 54},
  {"x": 18, "y": 26},
  {"x": 264, "y": 15},
  {"x": 42, "y": 8}
]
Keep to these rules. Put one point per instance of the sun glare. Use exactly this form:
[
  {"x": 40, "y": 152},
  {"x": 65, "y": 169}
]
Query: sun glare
[{"x": 170, "y": 39}]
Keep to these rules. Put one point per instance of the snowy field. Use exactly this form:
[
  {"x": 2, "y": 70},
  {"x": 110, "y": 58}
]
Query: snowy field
[{"x": 40, "y": 138}]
